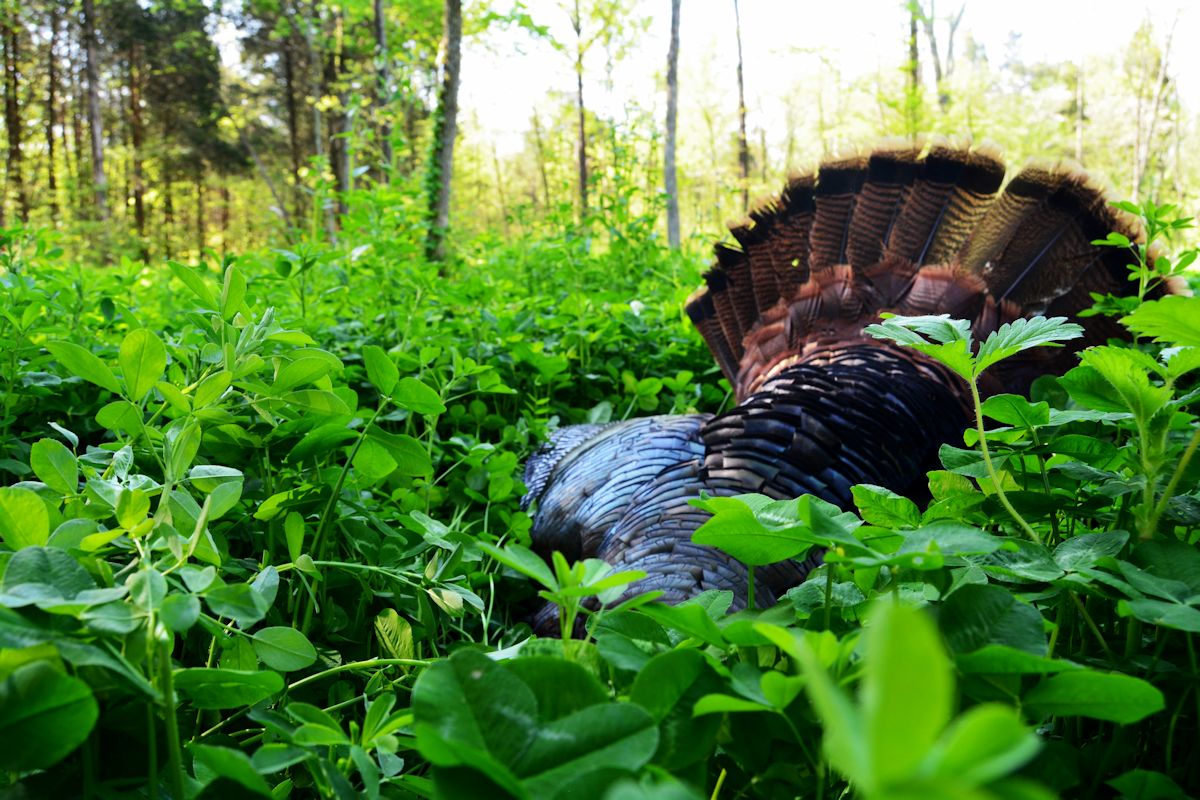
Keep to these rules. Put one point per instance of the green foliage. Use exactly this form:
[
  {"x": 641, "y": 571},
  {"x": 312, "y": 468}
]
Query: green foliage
[{"x": 261, "y": 528}]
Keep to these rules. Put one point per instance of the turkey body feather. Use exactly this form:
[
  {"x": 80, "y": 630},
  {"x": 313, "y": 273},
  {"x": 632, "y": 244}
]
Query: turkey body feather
[{"x": 910, "y": 229}]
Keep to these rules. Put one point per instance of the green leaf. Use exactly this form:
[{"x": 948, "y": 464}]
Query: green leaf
[
  {"x": 50, "y": 567},
  {"x": 147, "y": 588},
  {"x": 907, "y": 690},
  {"x": 237, "y": 601},
  {"x": 981, "y": 614},
  {"x": 225, "y": 762},
  {"x": 55, "y": 465},
  {"x": 1174, "y": 320},
  {"x": 44, "y": 715},
  {"x": 381, "y": 371},
  {"x": 302, "y": 371},
  {"x": 143, "y": 359},
  {"x": 83, "y": 363},
  {"x": 193, "y": 279},
  {"x": 560, "y": 687},
  {"x": 233, "y": 293},
  {"x": 1012, "y": 409},
  {"x": 1099, "y": 695},
  {"x": 952, "y": 337},
  {"x": 284, "y": 649},
  {"x": 24, "y": 520},
  {"x": 1086, "y": 550},
  {"x": 524, "y": 561},
  {"x": 373, "y": 461},
  {"x": 1128, "y": 373},
  {"x": 1023, "y": 334},
  {"x": 597, "y": 739},
  {"x": 999, "y": 659},
  {"x": 121, "y": 415},
  {"x": 470, "y": 711},
  {"x": 209, "y": 390},
  {"x": 1141, "y": 784},
  {"x": 293, "y": 531},
  {"x": 757, "y": 530},
  {"x": 415, "y": 396},
  {"x": 844, "y": 739},
  {"x": 317, "y": 401},
  {"x": 179, "y": 612},
  {"x": 885, "y": 508},
  {"x": 988, "y": 742},
  {"x": 688, "y": 618},
  {"x": 226, "y": 688}
]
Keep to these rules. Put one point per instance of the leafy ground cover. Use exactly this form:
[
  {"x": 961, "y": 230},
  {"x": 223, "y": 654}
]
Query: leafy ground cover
[{"x": 261, "y": 535}]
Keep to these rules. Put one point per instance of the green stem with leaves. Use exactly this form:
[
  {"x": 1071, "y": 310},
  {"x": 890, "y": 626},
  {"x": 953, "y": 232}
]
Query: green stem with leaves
[{"x": 991, "y": 469}]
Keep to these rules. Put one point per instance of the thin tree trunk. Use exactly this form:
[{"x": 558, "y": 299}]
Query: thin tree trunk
[
  {"x": 201, "y": 212},
  {"x": 318, "y": 127},
  {"x": 95, "y": 123},
  {"x": 577, "y": 24},
  {"x": 743, "y": 146},
  {"x": 293, "y": 121},
  {"x": 224, "y": 219},
  {"x": 12, "y": 111},
  {"x": 669, "y": 177},
  {"x": 339, "y": 127},
  {"x": 445, "y": 129},
  {"x": 52, "y": 113},
  {"x": 500, "y": 193},
  {"x": 168, "y": 212},
  {"x": 1160, "y": 81},
  {"x": 137, "y": 136},
  {"x": 541, "y": 157},
  {"x": 383, "y": 91},
  {"x": 913, "y": 101}
]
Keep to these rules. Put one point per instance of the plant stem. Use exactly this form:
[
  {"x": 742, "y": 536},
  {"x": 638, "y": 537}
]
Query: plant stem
[
  {"x": 987, "y": 461},
  {"x": 330, "y": 507},
  {"x": 1087, "y": 618},
  {"x": 1169, "y": 492},
  {"x": 166, "y": 686}
]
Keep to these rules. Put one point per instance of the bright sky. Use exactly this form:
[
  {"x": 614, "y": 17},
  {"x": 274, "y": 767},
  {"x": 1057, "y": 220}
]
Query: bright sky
[{"x": 507, "y": 74}]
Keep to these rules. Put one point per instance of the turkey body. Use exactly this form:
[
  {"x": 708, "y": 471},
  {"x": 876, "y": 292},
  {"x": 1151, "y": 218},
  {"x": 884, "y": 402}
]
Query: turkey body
[{"x": 820, "y": 406}]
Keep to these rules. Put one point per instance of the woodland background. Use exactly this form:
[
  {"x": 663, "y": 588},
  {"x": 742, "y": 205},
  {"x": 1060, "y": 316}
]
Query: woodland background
[{"x": 161, "y": 128}]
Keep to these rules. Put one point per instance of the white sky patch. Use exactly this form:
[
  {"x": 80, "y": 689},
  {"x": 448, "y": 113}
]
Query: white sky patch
[{"x": 506, "y": 74}]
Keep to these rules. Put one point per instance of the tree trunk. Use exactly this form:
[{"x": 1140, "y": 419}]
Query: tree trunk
[
  {"x": 95, "y": 123},
  {"x": 541, "y": 157},
  {"x": 137, "y": 137},
  {"x": 168, "y": 212},
  {"x": 224, "y": 219},
  {"x": 201, "y": 233},
  {"x": 339, "y": 124},
  {"x": 445, "y": 128},
  {"x": 669, "y": 177},
  {"x": 52, "y": 113},
  {"x": 743, "y": 146},
  {"x": 577, "y": 24},
  {"x": 913, "y": 104},
  {"x": 293, "y": 121},
  {"x": 383, "y": 91},
  {"x": 12, "y": 111}
]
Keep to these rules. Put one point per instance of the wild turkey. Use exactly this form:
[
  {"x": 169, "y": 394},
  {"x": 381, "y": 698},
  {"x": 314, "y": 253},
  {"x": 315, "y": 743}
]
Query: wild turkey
[{"x": 821, "y": 406}]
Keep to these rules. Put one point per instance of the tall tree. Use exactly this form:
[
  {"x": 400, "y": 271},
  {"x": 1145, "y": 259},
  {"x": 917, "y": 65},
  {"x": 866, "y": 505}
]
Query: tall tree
[
  {"x": 383, "y": 90},
  {"x": 912, "y": 101},
  {"x": 95, "y": 122},
  {"x": 743, "y": 145},
  {"x": 13, "y": 122},
  {"x": 671, "y": 186},
  {"x": 445, "y": 129},
  {"x": 581, "y": 151},
  {"x": 52, "y": 110}
]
